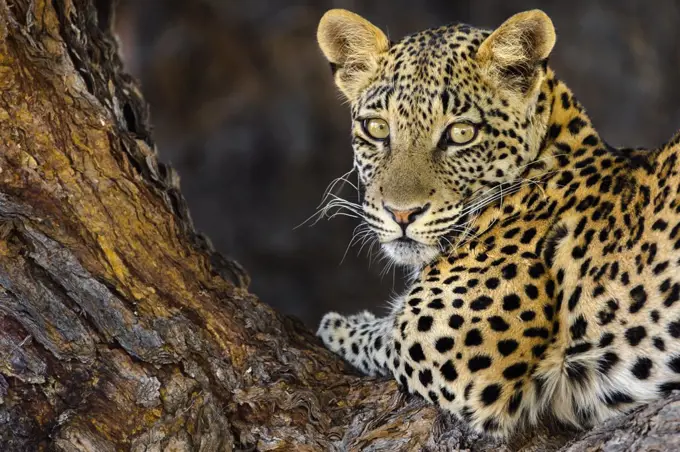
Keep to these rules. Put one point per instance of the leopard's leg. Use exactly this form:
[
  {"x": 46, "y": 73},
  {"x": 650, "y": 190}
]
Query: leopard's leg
[{"x": 362, "y": 339}]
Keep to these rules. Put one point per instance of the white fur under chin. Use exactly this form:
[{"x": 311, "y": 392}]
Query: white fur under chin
[{"x": 411, "y": 254}]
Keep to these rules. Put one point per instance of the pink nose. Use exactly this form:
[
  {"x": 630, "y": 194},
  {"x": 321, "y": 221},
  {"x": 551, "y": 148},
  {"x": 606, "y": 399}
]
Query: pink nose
[{"x": 406, "y": 217}]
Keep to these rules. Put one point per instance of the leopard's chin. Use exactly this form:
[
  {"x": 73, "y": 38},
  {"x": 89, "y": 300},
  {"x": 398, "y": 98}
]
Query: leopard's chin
[{"x": 410, "y": 253}]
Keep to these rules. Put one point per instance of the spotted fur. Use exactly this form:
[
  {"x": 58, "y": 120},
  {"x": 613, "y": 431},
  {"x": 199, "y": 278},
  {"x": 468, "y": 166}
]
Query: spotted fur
[{"x": 547, "y": 261}]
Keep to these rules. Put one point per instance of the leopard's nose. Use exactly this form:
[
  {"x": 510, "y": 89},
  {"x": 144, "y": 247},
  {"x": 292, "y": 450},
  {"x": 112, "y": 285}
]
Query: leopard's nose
[{"x": 404, "y": 217}]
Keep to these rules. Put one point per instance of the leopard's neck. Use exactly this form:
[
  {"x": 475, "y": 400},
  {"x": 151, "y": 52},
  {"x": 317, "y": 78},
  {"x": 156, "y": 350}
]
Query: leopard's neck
[{"x": 568, "y": 134}]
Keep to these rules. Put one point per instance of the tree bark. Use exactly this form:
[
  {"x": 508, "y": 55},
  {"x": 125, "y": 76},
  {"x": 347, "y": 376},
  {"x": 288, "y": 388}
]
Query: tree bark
[{"x": 122, "y": 329}]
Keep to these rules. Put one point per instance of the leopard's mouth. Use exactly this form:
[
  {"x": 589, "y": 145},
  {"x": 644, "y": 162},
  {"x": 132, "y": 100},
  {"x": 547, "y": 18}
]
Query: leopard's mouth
[{"x": 409, "y": 251}]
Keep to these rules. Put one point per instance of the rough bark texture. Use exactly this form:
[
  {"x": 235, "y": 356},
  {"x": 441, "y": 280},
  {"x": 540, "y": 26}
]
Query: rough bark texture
[{"x": 121, "y": 328}]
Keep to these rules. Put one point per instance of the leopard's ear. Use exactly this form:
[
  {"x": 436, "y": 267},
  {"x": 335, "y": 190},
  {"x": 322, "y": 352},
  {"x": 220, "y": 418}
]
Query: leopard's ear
[
  {"x": 514, "y": 55},
  {"x": 352, "y": 45}
]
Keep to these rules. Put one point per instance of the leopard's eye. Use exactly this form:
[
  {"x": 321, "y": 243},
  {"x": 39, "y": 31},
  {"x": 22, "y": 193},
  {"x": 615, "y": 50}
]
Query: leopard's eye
[
  {"x": 377, "y": 128},
  {"x": 461, "y": 133}
]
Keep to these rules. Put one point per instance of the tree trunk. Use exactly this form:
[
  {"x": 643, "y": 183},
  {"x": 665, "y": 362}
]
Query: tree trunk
[{"x": 122, "y": 329}]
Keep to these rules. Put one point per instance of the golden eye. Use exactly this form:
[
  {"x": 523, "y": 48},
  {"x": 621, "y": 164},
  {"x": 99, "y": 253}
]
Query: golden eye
[
  {"x": 461, "y": 133},
  {"x": 377, "y": 128}
]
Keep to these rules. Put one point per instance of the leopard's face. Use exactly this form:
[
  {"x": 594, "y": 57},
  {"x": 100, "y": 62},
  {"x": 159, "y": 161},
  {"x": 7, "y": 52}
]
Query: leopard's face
[
  {"x": 433, "y": 141},
  {"x": 441, "y": 123}
]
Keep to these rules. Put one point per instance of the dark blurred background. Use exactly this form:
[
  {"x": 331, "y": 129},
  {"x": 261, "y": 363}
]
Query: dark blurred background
[{"x": 244, "y": 108}]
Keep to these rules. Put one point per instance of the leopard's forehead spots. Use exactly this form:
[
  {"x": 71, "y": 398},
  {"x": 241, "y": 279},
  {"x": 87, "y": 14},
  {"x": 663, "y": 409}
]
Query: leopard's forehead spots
[{"x": 427, "y": 76}]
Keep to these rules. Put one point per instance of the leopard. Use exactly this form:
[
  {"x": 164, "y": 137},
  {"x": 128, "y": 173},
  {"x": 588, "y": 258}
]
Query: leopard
[{"x": 545, "y": 262}]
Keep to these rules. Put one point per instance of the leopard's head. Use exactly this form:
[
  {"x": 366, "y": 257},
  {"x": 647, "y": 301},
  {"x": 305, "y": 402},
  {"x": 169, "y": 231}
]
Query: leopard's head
[{"x": 439, "y": 119}]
